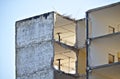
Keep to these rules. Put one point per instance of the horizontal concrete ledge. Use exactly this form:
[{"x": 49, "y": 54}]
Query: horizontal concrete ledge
[
  {"x": 106, "y": 65},
  {"x": 105, "y": 36},
  {"x": 66, "y": 46}
]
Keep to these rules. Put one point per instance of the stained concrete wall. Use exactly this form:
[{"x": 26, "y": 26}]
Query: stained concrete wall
[
  {"x": 34, "y": 47},
  {"x": 82, "y": 61}
]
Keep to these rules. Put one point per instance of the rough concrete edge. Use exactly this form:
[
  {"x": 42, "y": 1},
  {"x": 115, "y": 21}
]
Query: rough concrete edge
[
  {"x": 72, "y": 75},
  {"x": 61, "y": 72},
  {"x": 73, "y": 48},
  {"x": 52, "y": 61},
  {"x": 66, "y": 17},
  {"x": 66, "y": 46},
  {"x": 15, "y": 50},
  {"x": 61, "y": 44}
]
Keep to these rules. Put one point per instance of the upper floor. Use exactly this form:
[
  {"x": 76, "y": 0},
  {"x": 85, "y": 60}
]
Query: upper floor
[{"x": 103, "y": 20}]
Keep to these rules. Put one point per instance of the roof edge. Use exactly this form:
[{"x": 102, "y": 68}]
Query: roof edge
[
  {"x": 44, "y": 14},
  {"x": 34, "y": 17},
  {"x": 103, "y": 7}
]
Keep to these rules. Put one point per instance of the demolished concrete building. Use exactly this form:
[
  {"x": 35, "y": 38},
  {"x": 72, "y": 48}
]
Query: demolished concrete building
[
  {"x": 53, "y": 46},
  {"x": 47, "y": 45}
]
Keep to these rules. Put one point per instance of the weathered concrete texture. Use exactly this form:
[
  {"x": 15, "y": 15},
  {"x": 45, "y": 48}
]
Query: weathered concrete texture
[
  {"x": 34, "y": 47},
  {"x": 34, "y": 30},
  {"x": 34, "y": 58},
  {"x": 62, "y": 75},
  {"x": 43, "y": 74}
]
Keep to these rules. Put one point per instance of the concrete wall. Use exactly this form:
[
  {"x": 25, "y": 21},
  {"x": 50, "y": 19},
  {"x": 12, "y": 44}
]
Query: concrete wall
[
  {"x": 80, "y": 33},
  {"x": 34, "y": 47}
]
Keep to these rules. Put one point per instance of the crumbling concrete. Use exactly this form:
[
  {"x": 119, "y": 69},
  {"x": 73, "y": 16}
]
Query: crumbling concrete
[
  {"x": 34, "y": 47},
  {"x": 62, "y": 75}
]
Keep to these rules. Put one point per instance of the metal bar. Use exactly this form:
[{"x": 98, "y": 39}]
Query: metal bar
[
  {"x": 59, "y": 63},
  {"x": 59, "y": 36},
  {"x": 113, "y": 29},
  {"x": 87, "y": 38},
  {"x": 69, "y": 64}
]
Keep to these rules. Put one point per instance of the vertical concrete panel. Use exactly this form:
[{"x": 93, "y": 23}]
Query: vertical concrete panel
[
  {"x": 82, "y": 62},
  {"x": 81, "y": 34},
  {"x": 34, "y": 47}
]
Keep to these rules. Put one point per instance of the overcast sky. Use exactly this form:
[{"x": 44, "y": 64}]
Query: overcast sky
[{"x": 13, "y": 10}]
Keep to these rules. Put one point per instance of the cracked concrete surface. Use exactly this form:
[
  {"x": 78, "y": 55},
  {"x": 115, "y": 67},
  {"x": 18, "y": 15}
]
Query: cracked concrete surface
[{"x": 34, "y": 47}]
